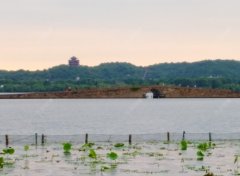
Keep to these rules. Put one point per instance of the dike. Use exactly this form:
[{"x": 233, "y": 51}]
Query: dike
[{"x": 130, "y": 92}]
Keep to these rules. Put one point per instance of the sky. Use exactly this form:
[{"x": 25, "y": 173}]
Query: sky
[{"x": 39, "y": 34}]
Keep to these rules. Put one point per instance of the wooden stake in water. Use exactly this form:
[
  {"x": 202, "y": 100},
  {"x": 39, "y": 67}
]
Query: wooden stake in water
[
  {"x": 6, "y": 140},
  {"x": 168, "y": 136},
  {"x": 130, "y": 139},
  {"x": 43, "y": 140},
  {"x": 183, "y": 137},
  {"x": 36, "y": 139},
  {"x": 86, "y": 138},
  {"x": 210, "y": 136}
]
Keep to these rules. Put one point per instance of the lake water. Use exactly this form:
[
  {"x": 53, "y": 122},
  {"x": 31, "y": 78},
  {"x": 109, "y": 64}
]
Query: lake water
[{"x": 118, "y": 116}]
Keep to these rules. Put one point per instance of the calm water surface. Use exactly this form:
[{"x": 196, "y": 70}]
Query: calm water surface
[{"x": 118, "y": 116}]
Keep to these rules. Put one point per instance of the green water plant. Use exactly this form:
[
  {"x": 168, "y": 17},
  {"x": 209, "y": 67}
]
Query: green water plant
[
  {"x": 104, "y": 168},
  {"x": 1, "y": 162},
  {"x": 119, "y": 145},
  {"x": 90, "y": 144},
  {"x": 86, "y": 146},
  {"x": 67, "y": 148},
  {"x": 112, "y": 155},
  {"x": 26, "y": 148},
  {"x": 183, "y": 145},
  {"x": 204, "y": 146},
  {"x": 200, "y": 155},
  {"x": 111, "y": 167},
  {"x": 92, "y": 154},
  {"x": 7, "y": 161},
  {"x": 236, "y": 161},
  {"x": 9, "y": 151}
]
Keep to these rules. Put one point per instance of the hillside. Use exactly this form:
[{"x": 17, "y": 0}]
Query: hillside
[{"x": 211, "y": 74}]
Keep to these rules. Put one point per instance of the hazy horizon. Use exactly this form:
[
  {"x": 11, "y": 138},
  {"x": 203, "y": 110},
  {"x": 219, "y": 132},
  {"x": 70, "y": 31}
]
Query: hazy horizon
[
  {"x": 177, "y": 62},
  {"x": 40, "y": 34}
]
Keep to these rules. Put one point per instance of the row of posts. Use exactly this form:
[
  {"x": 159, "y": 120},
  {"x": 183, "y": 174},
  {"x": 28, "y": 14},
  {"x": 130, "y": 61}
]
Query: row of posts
[{"x": 43, "y": 138}]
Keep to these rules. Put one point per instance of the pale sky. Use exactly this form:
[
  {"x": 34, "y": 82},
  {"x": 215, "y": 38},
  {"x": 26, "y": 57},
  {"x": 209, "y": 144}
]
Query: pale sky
[{"x": 38, "y": 34}]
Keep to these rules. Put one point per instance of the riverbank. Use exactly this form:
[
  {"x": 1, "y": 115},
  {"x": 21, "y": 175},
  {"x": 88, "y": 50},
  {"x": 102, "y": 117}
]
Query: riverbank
[{"x": 130, "y": 92}]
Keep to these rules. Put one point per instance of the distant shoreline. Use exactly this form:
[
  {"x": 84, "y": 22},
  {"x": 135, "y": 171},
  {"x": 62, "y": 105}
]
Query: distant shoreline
[
  {"x": 14, "y": 93},
  {"x": 128, "y": 92}
]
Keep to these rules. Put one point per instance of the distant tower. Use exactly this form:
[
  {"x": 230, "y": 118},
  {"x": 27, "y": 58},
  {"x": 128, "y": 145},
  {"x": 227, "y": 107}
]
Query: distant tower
[{"x": 73, "y": 62}]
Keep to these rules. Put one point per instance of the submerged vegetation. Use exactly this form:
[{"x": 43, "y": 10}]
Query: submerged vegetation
[
  {"x": 184, "y": 145},
  {"x": 5, "y": 160},
  {"x": 67, "y": 147},
  {"x": 8, "y": 151},
  {"x": 112, "y": 155},
  {"x": 92, "y": 154},
  {"x": 118, "y": 145},
  {"x": 1, "y": 162},
  {"x": 160, "y": 158}
]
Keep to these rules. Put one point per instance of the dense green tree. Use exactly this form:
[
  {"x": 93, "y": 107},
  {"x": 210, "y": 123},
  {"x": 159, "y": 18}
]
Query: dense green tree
[{"x": 210, "y": 74}]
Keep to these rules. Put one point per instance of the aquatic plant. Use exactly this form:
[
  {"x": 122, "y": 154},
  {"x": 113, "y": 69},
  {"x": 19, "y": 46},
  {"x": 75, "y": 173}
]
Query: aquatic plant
[
  {"x": 109, "y": 157},
  {"x": 183, "y": 145},
  {"x": 90, "y": 144},
  {"x": 1, "y": 162},
  {"x": 132, "y": 154},
  {"x": 236, "y": 161},
  {"x": 104, "y": 168},
  {"x": 9, "y": 150},
  {"x": 119, "y": 145},
  {"x": 200, "y": 155},
  {"x": 67, "y": 147},
  {"x": 92, "y": 154},
  {"x": 202, "y": 148},
  {"x": 26, "y": 148},
  {"x": 6, "y": 161},
  {"x": 205, "y": 146},
  {"x": 86, "y": 146},
  {"x": 112, "y": 155}
]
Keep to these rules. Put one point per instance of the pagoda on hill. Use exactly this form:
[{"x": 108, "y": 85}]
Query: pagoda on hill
[{"x": 73, "y": 62}]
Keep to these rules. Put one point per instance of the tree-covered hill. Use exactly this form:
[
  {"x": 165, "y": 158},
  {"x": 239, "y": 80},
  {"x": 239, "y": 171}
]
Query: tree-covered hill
[{"x": 208, "y": 73}]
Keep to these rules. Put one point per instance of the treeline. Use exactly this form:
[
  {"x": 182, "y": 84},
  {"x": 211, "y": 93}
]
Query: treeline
[{"x": 207, "y": 74}]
